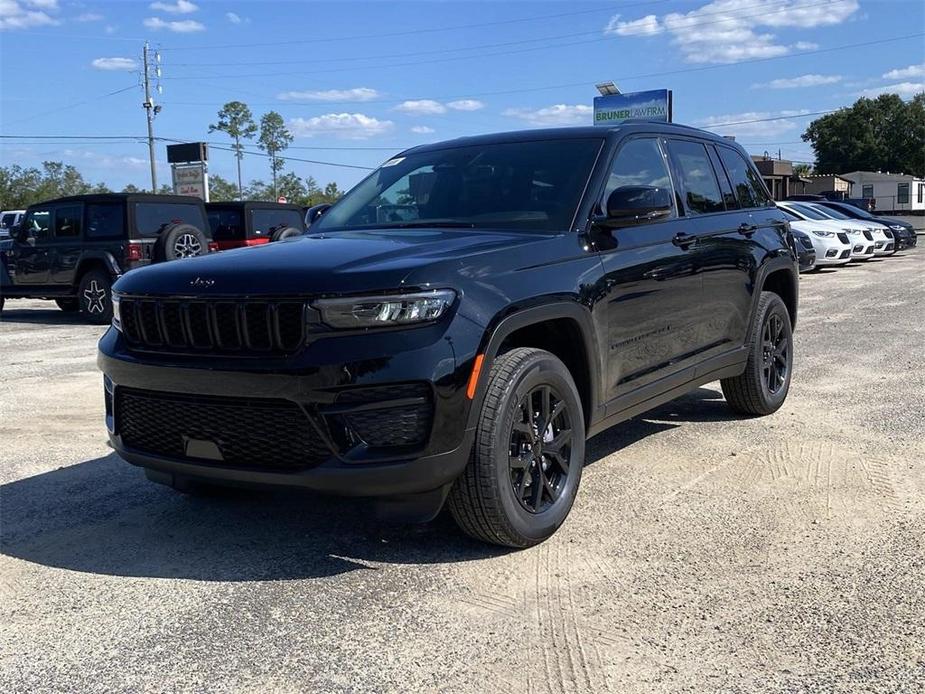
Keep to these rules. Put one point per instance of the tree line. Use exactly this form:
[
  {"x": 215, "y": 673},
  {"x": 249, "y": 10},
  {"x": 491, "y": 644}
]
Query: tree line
[{"x": 21, "y": 187}]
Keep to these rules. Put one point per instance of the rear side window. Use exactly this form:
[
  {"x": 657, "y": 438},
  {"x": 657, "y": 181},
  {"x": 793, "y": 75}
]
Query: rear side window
[
  {"x": 748, "y": 185},
  {"x": 38, "y": 222},
  {"x": 152, "y": 217},
  {"x": 698, "y": 180},
  {"x": 8, "y": 221},
  {"x": 67, "y": 222},
  {"x": 265, "y": 222},
  {"x": 226, "y": 225},
  {"x": 105, "y": 221}
]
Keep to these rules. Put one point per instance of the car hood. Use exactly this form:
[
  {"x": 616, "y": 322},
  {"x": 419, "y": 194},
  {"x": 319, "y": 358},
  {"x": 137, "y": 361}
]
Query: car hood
[{"x": 317, "y": 264}]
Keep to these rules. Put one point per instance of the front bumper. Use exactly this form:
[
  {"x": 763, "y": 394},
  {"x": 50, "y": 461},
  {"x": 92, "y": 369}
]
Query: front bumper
[{"x": 312, "y": 383}]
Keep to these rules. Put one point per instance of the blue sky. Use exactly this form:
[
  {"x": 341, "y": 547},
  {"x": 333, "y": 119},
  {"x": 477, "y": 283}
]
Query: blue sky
[{"x": 357, "y": 81}]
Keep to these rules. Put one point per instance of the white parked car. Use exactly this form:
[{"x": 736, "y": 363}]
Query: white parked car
[
  {"x": 860, "y": 248},
  {"x": 831, "y": 243},
  {"x": 859, "y": 235},
  {"x": 882, "y": 237}
]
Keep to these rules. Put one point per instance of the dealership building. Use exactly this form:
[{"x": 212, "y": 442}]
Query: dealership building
[{"x": 891, "y": 192}]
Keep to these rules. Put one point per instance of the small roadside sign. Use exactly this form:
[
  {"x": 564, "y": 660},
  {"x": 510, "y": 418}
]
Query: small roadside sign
[{"x": 282, "y": 199}]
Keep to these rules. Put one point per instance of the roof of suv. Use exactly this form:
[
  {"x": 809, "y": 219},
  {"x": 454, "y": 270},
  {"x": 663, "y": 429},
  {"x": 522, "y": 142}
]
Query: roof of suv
[
  {"x": 577, "y": 132},
  {"x": 122, "y": 197},
  {"x": 254, "y": 203}
]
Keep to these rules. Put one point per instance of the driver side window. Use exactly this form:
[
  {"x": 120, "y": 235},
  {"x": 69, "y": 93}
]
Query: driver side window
[
  {"x": 38, "y": 224},
  {"x": 639, "y": 162}
]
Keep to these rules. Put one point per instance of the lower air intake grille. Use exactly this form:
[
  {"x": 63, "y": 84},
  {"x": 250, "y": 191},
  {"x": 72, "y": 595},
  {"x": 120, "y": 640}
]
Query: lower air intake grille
[
  {"x": 229, "y": 327},
  {"x": 387, "y": 416},
  {"x": 247, "y": 432}
]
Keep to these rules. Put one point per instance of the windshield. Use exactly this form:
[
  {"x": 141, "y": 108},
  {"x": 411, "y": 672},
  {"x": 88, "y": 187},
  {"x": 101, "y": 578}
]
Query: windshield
[
  {"x": 508, "y": 185},
  {"x": 809, "y": 212},
  {"x": 829, "y": 213},
  {"x": 855, "y": 211}
]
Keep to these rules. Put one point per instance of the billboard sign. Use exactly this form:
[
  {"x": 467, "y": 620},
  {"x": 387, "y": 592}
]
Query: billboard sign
[
  {"x": 191, "y": 179},
  {"x": 613, "y": 109}
]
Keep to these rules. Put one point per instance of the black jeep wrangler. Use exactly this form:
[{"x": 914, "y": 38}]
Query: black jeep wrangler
[
  {"x": 237, "y": 224},
  {"x": 456, "y": 326},
  {"x": 73, "y": 249}
]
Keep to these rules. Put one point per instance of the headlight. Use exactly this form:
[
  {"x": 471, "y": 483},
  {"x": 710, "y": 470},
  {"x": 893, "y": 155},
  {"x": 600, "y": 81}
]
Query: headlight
[
  {"x": 824, "y": 234},
  {"x": 897, "y": 227},
  {"x": 116, "y": 317},
  {"x": 853, "y": 232},
  {"x": 386, "y": 310}
]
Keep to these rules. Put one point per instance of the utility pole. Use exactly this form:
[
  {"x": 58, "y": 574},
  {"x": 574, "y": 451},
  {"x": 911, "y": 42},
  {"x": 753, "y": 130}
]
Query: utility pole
[{"x": 150, "y": 108}]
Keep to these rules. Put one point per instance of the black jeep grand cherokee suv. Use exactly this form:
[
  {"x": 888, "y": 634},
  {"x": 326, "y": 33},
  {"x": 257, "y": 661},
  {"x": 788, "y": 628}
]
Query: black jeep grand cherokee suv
[{"x": 458, "y": 324}]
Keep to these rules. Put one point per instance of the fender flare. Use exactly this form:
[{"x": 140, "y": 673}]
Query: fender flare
[
  {"x": 105, "y": 257},
  {"x": 780, "y": 262},
  {"x": 502, "y": 327}
]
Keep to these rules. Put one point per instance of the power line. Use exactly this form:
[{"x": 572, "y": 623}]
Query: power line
[
  {"x": 690, "y": 25},
  {"x": 415, "y": 32},
  {"x": 69, "y": 106}
]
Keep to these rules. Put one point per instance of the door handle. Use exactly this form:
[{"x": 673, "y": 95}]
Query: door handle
[
  {"x": 682, "y": 240},
  {"x": 747, "y": 229}
]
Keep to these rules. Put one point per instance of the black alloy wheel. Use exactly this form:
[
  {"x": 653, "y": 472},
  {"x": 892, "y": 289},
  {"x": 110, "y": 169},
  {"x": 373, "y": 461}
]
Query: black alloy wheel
[
  {"x": 775, "y": 353},
  {"x": 540, "y": 448}
]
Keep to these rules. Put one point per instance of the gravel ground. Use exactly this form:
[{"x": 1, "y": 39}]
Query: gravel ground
[{"x": 705, "y": 552}]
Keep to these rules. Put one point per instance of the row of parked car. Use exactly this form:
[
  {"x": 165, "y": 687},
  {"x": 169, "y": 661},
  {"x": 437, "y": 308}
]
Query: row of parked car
[
  {"x": 829, "y": 232},
  {"x": 72, "y": 249}
]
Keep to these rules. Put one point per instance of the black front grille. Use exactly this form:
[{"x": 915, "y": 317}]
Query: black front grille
[
  {"x": 385, "y": 416},
  {"x": 264, "y": 327},
  {"x": 247, "y": 432},
  {"x": 867, "y": 235},
  {"x": 843, "y": 238},
  {"x": 889, "y": 234}
]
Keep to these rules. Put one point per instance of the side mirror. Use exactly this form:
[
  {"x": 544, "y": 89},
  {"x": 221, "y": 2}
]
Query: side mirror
[
  {"x": 629, "y": 205},
  {"x": 315, "y": 212}
]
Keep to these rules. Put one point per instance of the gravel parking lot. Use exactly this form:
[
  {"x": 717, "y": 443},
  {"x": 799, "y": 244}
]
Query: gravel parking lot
[{"x": 705, "y": 552}]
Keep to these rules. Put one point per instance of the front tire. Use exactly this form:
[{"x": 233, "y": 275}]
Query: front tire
[
  {"x": 526, "y": 463},
  {"x": 95, "y": 297},
  {"x": 762, "y": 388}
]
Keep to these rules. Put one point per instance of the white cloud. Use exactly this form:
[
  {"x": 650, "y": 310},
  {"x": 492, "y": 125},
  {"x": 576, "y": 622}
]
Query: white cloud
[
  {"x": 115, "y": 64},
  {"x": 726, "y": 31},
  {"x": 559, "y": 114},
  {"x": 235, "y": 18},
  {"x": 26, "y": 14},
  {"x": 811, "y": 80},
  {"x": 645, "y": 26},
  {"x": 906, "y": 72},
  {"x": 107, "y": 161},
  {"x": 427, "y": 107},
  {"x": 754, "y": 123},
  {"x": 89, "y": 17},
  {"x": 185, "y": 26},
  {"x": 355, "y": 94},
  {"x": 466, "y": 105},
  {"x": 110, "y": 29},
  {"x": 905, "y": 89},
  {"x": 346, "y": 126},
  {"x": 422, "y": 130},
  {"x": 179, "y": 7}
]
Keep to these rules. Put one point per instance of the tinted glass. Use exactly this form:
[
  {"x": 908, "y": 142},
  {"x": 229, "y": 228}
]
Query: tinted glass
[
  {"x": 67, "y": 222},
  {"x": 508, "y": 185},
  {"x": 265, "y": 222},
  {"x": 818, "y": 213},
  {"x": 748, "y": 186},
  {"x": 789, "y": 215},
  {"x": 152, "y": 217},
  {"x": 729, "y": 196},
  {"x": 826, "y": 212},
  {"x": 105, "y": 221},
  {"x": 7, "y": 221},
  {"x": 638, "y": 163},
  {"x": 698, "y": 181},
  {"x": 38, "y": 222},
  {"x": 226, "y": 224}
]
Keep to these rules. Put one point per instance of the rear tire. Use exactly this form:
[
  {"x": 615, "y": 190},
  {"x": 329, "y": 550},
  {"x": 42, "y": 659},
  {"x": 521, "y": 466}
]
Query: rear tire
[
  {"x": 94, "y": 296},
  {"x": 529, "y": 450},
  {"x": 762, "y": 388},
  {"x": 68, "y": 305},
  {"x": 285, "y": 233}
]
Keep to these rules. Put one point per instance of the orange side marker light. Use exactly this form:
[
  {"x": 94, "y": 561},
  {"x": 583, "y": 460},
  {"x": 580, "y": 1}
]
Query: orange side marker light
[{"x": 474, "y": 376}]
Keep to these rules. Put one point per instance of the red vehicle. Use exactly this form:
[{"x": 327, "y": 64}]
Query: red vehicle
[{"x": 251, "y": 222}]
